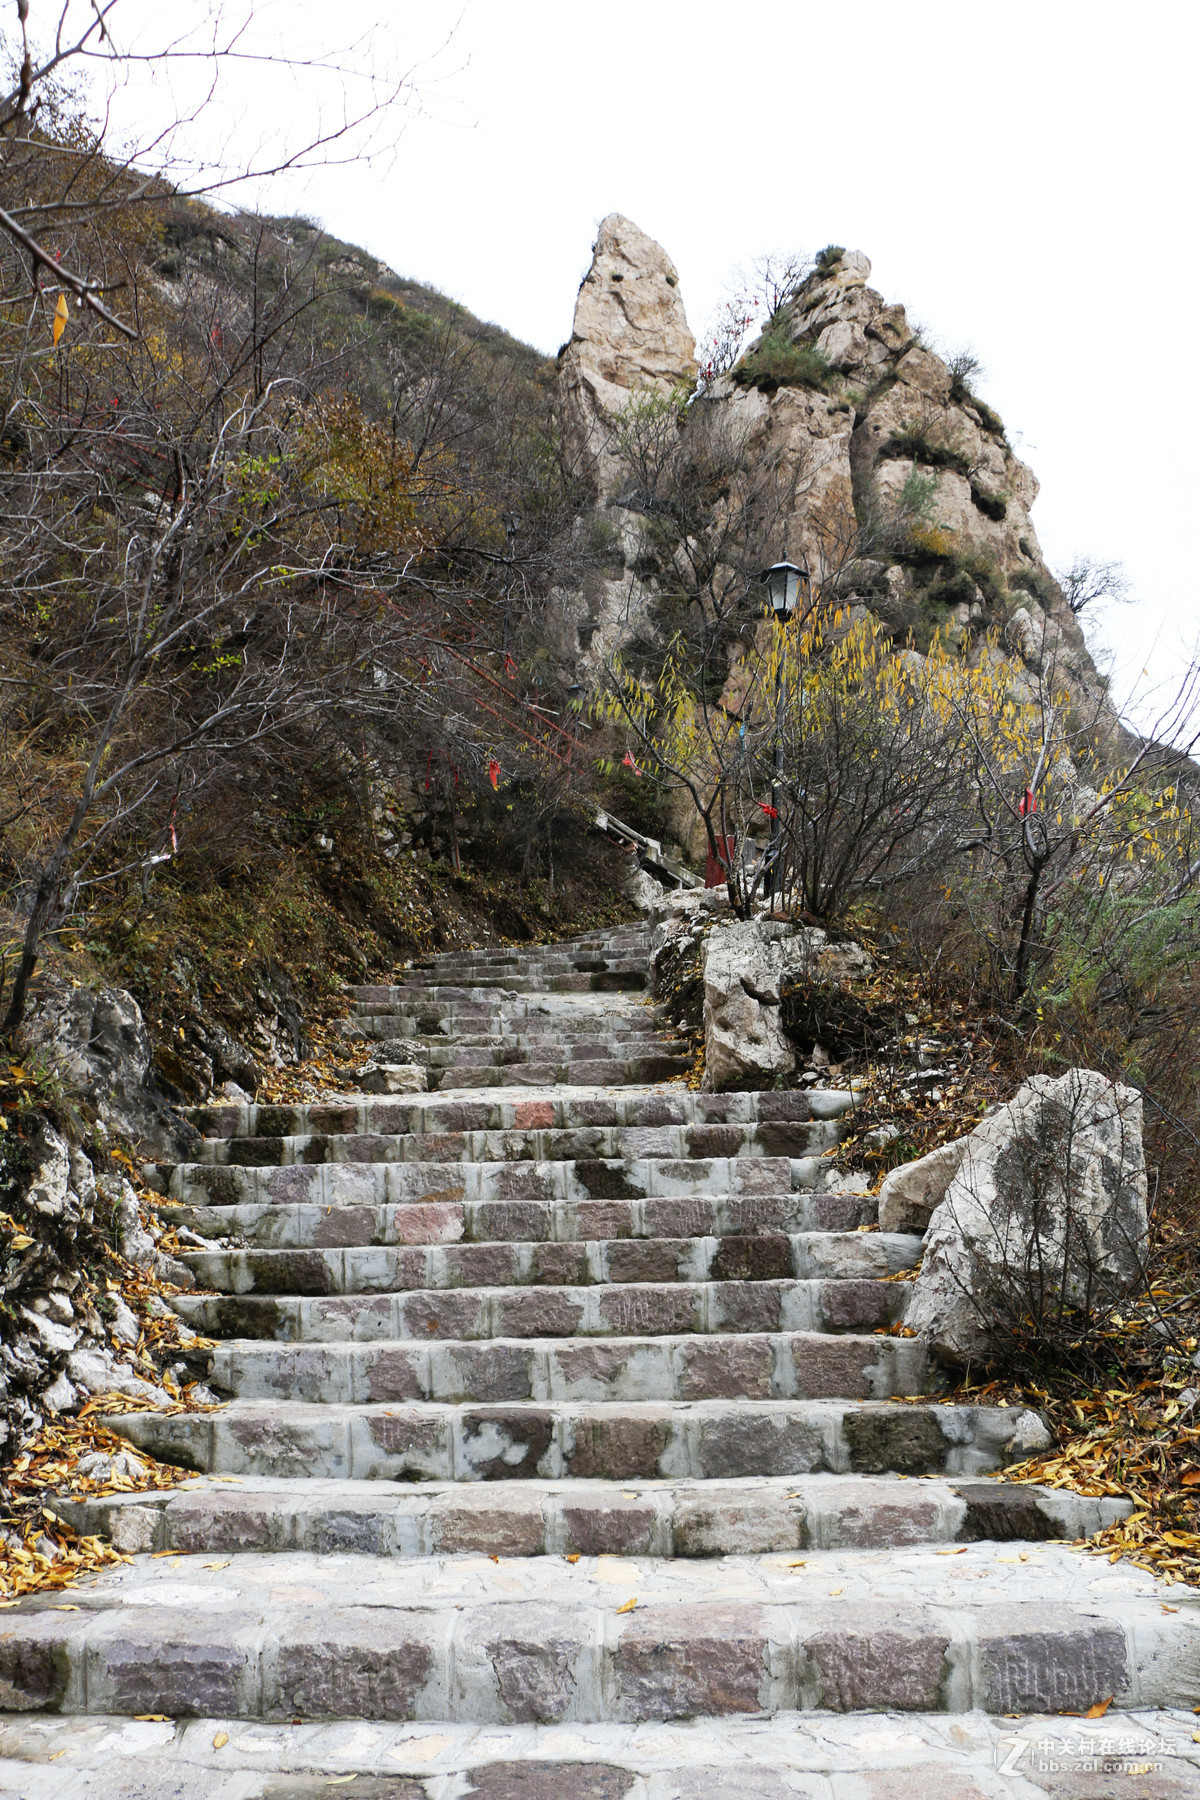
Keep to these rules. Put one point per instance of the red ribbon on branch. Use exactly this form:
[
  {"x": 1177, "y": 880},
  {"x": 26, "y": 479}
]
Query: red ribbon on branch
[{"x": 1027, "y": 805}]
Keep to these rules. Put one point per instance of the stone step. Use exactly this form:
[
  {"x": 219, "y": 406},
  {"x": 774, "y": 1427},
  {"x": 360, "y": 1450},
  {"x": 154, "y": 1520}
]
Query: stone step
[
  {"x": 632, "y": 1073},
  {"x": 466, "y": 985},
  {"x": 820, "y": 1256},
  {"x": 445, "y": 1218},
  {"x": 544, "y": 958},
  {"x": 516, "y": 1053},
  {"x": 539, "y": 1640},
  {"x": 484, "y": 1009},
  {"x": 613, "y": 1309},
  {"x": 537, "y": 956},
  {"x": 790, "y": 1365},
  {"x": 555, "y": 1110},
  {"x": 789, "y": 1756},
  {"x": 596, "y": 1518},
  {"x": 577, "y": 1143},
  {"x": 702, "y": 1439},
  {"x": 466, "y": 1183},
  {"x": 541, "y": 974},
  {"x": 560, "y": 978}
]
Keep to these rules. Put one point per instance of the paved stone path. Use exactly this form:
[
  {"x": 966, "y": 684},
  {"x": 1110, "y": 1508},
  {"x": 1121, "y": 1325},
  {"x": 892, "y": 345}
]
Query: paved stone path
[{"x": 569, "y": 1453}]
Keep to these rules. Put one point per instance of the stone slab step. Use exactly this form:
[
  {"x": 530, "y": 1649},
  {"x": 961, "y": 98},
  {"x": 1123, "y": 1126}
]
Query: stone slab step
[
  {"x": 498, "y": 1050},
  {"x": 493, "y": 1028},
  {"x": 545, "y": 959},
  {"x": 790, "y": 1756},
  {"x": 493, "y": 1012},
  {"x": 491, "y": 1007},
  {"x": 552, "y": 1111},
  {"x": 797, "y": 1365},
  {"x": 539, "y": 1641},
  {"x": 674, "y": 1519},
  {"x": 538, "y": 1074},
  {"x": 703, "y": 1440},
  {"x": 603, "y": 1310},
  {"x": 445, "y": 1218},
  {"x": 609, "y": 1143},
  {"x": 478, "y": 985},
  {"x": 380, "y": 1182},
  {"x": 850, "y": 1256},
  {"x": 564, "y": 980},
  {"x": 545, "y": 1051}
]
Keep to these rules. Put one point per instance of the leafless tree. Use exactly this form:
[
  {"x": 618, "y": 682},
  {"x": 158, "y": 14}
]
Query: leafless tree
[{"x": 1088, "y": 580}]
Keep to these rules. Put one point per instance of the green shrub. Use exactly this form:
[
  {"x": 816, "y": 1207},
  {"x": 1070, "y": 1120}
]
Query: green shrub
[
  {"x": 993, "y": 506},
  {"x": 916, "y": 441},
  {"x": 954, "y": 589},
  {"x": 991, "y": 420},
  {"x": 1040, "y": 585},
  {"x": 775, "y": 363},
  {"x": 830, "y": 257},
  {"x": 980, "y": 565}
]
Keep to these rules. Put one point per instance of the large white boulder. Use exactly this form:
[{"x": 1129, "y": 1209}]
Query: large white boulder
[
  {"x": 744, "y": 1044},
  {"x": 1049, "y": 1198},
  {"x": 747, "y": 963}
]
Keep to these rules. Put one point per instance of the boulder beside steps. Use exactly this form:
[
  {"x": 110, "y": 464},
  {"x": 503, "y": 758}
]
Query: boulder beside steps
[{"x": 556, "y": 1413}]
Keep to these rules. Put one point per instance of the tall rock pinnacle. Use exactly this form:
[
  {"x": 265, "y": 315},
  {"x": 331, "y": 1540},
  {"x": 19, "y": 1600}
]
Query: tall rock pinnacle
[{"x": 630, "y": 335}]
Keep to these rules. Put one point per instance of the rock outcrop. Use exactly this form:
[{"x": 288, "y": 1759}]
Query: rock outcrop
[
  {"x": 743, "y": 977},
  {"x": 630, "y": 336},
  {"x": 1048, "y": 1197},
  {"x": 97, "y": 1043},
  {"x": 911, "y": 1193},
  {"x": 746, "y": 965},
  {"x": 843, "y": 401}
]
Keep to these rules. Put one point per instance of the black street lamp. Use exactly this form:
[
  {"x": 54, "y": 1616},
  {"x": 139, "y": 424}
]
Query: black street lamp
[{"x": 789, "y": 589}]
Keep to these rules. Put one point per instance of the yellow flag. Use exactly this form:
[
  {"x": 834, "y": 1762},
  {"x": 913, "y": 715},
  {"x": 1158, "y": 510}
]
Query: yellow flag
[{"x": 60, "y": 317}]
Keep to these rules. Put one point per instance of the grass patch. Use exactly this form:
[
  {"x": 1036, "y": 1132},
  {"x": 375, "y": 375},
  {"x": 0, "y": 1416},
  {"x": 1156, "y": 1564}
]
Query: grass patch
[
  {"x": 776, "y": 363},
  {"x": 992, "y": 506},
  {"x": 923, "y": 447}
]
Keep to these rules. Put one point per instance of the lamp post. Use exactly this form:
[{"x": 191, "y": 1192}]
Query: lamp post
[{"x": 789, "y": 589}]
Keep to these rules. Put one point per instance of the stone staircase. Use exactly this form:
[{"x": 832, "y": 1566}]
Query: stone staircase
[{"x": 564, "y": 1407}]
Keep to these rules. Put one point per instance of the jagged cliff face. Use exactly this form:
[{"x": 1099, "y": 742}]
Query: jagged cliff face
[
  {"x": 888, "y": 405},
  {"x": 905, "y": 493}
]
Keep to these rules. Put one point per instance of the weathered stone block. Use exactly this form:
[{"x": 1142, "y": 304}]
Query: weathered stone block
[
  {"x": 487, "y": 1523},
  {"x": 1048, "y": 1660},
  {"x": 365, "y": 1662},
  {"x": 905, "y": 1439},
  {"x": 617, "y": 1446},
  {"x": 502, "y": 1443},
  {"x": 34, "y": 1660},
  {"x": 865, "y": 1659},
  {"x": 773, "y": 1443},
  {"x": 608, "y": 1526},
  {"x": 531, "y": 1664},
  {"x": 726, "y": 1368},
  {"x": 671, "y": 1662},
  {"x": 175, "y": 1661}
]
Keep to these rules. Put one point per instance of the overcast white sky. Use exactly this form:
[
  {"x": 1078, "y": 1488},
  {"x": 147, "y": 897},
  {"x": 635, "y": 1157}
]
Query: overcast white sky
[{"x": 1023, "y": 178}]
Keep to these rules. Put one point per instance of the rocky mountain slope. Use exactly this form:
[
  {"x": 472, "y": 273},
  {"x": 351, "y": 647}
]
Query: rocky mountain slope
[{"x": 900, "y": 489}]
